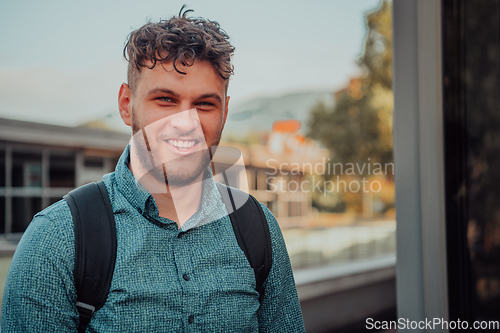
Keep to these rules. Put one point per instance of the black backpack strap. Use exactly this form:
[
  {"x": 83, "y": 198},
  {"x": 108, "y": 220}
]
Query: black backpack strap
[
  {"x": 95, "y": 247},
  {"x": 251, "y": 230}
]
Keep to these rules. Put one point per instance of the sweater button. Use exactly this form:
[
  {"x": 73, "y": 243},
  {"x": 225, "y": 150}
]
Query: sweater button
[
  {"x": 185, "y": 277},
  {"x": 191, "y": 319}
]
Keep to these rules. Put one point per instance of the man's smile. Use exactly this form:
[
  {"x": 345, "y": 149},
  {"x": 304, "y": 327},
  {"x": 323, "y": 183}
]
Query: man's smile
[{"x": 183, "y": 145}]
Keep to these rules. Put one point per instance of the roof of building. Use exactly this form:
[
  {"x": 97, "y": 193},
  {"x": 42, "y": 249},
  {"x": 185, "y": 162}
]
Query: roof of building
[{"x": 76, "y": 137}]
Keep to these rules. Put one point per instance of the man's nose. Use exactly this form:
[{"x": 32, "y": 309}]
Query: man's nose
[{"x": 185, "y": 121}]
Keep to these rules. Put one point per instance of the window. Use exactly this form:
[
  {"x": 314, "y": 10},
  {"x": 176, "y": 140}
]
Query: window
[
  {"x": 62, "y": 171},
  {"x": 23, "y": 210},
  {"x": 2, "y": 168},
  {"x": 93, "y": 162},
  {"x": 26, "y": 169}
]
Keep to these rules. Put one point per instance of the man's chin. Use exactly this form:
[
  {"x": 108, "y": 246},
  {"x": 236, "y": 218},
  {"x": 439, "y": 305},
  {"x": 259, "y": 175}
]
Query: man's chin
[{"x": 163, "y": 175}]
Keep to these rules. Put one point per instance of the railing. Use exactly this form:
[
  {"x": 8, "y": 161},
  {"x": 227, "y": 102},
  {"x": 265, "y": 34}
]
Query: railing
[{"x": 311, "y": 247}]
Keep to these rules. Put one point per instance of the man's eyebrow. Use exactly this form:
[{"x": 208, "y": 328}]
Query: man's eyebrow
[
  {"x": 155, "y": 91},
  {"x": 215, "y": 96},
  {"x": 162, "y": 90}
]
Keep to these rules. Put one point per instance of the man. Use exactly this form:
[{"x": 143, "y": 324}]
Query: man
[{"x": 178, "y": 267}]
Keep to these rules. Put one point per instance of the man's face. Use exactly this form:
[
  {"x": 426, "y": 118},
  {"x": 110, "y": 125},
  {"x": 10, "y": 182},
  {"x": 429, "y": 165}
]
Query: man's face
[{"x": 178, "y": 117}]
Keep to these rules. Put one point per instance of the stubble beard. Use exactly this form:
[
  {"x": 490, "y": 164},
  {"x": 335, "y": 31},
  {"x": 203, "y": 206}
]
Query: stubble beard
[{"x": 165, "y": 173}]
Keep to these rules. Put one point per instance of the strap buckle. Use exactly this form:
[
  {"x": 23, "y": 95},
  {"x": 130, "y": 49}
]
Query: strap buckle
[{"x": 85, "y": 310}]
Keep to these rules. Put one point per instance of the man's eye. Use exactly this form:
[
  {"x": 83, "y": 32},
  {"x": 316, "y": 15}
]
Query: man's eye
[
  {"x": 164, "y": 99},
  {"x": 205, "y": 104}
]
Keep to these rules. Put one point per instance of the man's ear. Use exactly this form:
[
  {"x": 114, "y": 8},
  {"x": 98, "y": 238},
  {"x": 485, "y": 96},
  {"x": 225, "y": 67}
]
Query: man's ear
[
  {"x": 124, "y": 104},
  {"x": 226, "y": 111}
]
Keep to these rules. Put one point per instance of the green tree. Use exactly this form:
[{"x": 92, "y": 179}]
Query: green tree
[
  {"x": 377, "y": 51},
  {"x": 358, "y": 129}
]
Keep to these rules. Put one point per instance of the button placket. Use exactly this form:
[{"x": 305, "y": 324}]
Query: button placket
[{"x": 182, "y": 247}]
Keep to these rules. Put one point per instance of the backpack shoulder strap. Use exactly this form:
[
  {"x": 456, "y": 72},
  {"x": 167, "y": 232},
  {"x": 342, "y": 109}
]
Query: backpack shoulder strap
[
  {"x": 95, "y": 247},
  {"x": 251, "y": 231}
]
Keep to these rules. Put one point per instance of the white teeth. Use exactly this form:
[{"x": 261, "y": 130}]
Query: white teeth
[{"x": 183, "y": 145}]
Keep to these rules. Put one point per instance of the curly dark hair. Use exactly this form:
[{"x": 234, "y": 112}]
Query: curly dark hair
[{"x": 179, "y": 39}]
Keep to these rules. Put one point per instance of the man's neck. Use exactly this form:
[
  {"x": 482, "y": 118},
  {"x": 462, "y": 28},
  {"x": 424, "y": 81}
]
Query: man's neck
[
  {"x": 180, "y": 203},
  {"x": 176, "y": 203}
]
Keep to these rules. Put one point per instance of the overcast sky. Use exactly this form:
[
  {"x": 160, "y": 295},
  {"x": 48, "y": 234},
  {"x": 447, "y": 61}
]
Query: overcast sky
[{"x": 61, "y": 61}]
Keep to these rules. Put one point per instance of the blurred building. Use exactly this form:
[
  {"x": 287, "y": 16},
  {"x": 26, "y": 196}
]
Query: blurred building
[
  {"x": 277, "y": 172},
  {"x": 40, "y": 163}
]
